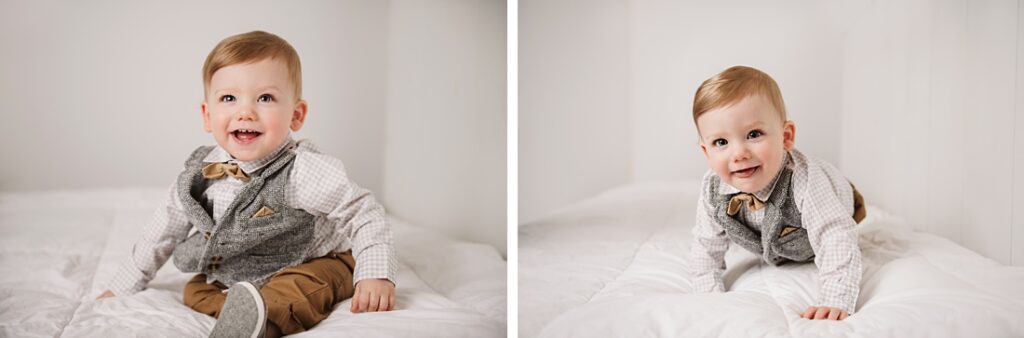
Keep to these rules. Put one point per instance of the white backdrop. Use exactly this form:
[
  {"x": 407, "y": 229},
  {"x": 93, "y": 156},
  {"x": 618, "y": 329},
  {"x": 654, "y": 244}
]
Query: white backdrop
[
  {"x": 446, "y": 159},
  {"x": 918, "y": 102},
  {"x": 933, "y": 118},
  {"x": 606, "y": 86},
  {"x": 573, "y": 86},
  {"x": 107, "y": 94}
]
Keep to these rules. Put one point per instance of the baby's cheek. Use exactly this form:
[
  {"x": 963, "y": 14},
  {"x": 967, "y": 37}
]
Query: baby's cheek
[{"x": 720, "y": 165}]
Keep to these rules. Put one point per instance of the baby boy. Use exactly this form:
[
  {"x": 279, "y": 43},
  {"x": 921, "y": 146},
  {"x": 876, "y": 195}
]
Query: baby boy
[
  {"x": 769, "y": 198},
  {"x": 269, "y": 224}
]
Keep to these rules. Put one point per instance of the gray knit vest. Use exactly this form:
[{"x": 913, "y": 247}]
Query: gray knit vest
[
  {"x": 239, "y": 247},
  {"x": 780, "y": 212}
]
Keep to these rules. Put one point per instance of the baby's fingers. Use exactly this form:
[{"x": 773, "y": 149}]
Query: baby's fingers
[
  {"x": 106, "y": 294},
  {"x": 374, "y": 303},
  {"x": 384, "y": 306},
  {"x": 387, "y": 302},
  {"x": 834, "y": 314},
  {"x": 360, "y": 301},
  {"x": 355, "y": 303},
  {"x": 821, "y": 313},
  {"x": 809, "y": 313}
]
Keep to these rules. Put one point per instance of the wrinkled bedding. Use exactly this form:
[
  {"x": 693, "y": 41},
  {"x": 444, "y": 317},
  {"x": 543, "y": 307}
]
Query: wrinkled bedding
[
  {"x": 615, "y": 265},
  {"x": 57, "y": 249}
]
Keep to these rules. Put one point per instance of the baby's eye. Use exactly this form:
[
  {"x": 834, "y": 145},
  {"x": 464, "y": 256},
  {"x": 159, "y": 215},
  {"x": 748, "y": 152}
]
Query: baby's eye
[
  {"x": 265, "y": 98},
  {"x": 719, "y": 142},
  {"x": 755, "y": 134},
  {"x": 227, "y": 98}
]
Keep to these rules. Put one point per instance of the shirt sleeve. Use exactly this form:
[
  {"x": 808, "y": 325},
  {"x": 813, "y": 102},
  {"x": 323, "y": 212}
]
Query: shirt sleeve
[
  {"x": 168, "y": 227},
  {"x": 320, "y": 186},
  {"x": 707, "y": 252},
  {"x": 826, "y": 205}
]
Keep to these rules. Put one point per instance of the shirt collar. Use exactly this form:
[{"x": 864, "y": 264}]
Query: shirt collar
[
  {"x": 219, "y": 155},
  {"x": 762, "y": 194}
]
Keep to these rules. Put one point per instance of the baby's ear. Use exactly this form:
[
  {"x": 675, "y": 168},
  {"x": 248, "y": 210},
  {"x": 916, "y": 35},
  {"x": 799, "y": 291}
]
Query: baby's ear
[
  {"x": 299, "y": 115},
  {"x": 788, "y": 135},
  {"x": 206, "y": 117}
]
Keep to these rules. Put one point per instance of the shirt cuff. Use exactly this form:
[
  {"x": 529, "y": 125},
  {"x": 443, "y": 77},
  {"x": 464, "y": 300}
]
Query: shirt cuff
[
  {"x": 128, "y": 280},
  {"x": 708, "y": 283},
  {"x": 375, "y": 262},
  {"x": 837, "y": 302}
]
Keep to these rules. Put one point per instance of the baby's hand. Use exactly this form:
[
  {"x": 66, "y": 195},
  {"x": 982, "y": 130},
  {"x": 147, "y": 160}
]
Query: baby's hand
[
  {"x": 373, "y": 295},
  {"x": 106, "y": 294},
  {"x": 822, "y": 312}
]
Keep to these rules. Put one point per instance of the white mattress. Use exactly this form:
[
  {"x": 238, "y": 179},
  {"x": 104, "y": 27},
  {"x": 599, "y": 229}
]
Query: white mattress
[
  {"x": 58, "y": 248},
  {"x": 615, "y": 265}
]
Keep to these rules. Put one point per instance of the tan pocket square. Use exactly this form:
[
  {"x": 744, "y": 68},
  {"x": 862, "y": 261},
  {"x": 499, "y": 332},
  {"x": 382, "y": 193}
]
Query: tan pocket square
[
  {"x": 264, "y": 211},
  {"x": 787, "y": 230}
]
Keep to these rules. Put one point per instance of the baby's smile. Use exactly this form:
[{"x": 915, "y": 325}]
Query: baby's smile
[
  {"x": 746, "y": 173},
  {"x": 245, "y": 136}
]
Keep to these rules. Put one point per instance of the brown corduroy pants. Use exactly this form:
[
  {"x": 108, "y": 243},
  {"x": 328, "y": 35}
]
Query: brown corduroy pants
[{"x": 297, "y": 297}]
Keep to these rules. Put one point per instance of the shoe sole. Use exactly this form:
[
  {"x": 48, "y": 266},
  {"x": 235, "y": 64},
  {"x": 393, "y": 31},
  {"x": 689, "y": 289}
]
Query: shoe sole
[{"x": 262, "y": 313}]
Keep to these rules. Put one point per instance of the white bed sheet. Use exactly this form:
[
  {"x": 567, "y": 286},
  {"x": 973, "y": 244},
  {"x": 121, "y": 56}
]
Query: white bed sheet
[
  {"x": 57, "y": 249},
  {"x": 615, "y": 266}
]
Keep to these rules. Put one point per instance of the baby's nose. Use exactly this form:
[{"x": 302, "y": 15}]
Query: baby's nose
[
  {"x": 740, "y": 153},
  {"x": 245, "y": 114}
]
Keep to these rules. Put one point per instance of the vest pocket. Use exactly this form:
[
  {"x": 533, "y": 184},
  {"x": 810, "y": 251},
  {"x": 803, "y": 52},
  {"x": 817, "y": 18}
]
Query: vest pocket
[
  {"x": 270, "y": 221},
  {"x": 795, "y": 246}
]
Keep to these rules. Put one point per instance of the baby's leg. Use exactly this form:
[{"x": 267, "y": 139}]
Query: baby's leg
[
  {"x": 301, "y": 296},
  {"x": 204, "y": 298}
]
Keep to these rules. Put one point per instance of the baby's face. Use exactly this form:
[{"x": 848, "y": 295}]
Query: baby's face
[
  {"x": 745, "y": 143},
  {"x": 251, "y": 107}
]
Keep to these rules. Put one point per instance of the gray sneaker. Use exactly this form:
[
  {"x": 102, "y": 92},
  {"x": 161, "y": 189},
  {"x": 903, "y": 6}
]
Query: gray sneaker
[{"x": 244, "y": 314}]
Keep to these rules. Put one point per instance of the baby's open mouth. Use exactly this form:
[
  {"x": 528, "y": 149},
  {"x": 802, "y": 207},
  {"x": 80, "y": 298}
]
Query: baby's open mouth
[
  {"x": 245, "y": 136},
  {"x": 746, "y": 172}
]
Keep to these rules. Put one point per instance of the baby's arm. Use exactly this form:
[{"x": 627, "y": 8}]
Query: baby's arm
[
  {"x": 826, "y": 211},
  {"x": 326, "y": 191},
  {"x": 375, "y": 258},
  {"x": 168, "y": 227},
  {"x": 371, "y": 237},
  {"x": 707, "y": 251}
]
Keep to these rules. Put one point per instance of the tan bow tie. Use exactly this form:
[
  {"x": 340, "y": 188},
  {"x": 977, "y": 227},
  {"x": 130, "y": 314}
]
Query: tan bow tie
[
  {"x": 752, "y": 203},
  {"x": 218, "y": 170}
]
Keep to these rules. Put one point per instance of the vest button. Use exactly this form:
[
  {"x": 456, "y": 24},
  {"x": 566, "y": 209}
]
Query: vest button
[{"x": 206, "y": 235}]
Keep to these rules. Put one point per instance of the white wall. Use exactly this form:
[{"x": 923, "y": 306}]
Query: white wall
[
  {"x": 446, "y": 117},
  {"x": 1018, "y": 146},
  {"x": 676, "y": 45},
  {"x": 107, "y": 94},
  {"x": 101, "y": 94},
  {"x": 573, "y": 102},
  {"x": 932, "y": 118},
  {"x": 606, "y": 87}
]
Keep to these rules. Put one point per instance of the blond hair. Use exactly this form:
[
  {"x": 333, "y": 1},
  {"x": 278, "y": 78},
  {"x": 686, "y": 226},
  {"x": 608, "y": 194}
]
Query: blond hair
[
  {"x": 252, "y": 47},
  {"x": 734, "y": 84}
]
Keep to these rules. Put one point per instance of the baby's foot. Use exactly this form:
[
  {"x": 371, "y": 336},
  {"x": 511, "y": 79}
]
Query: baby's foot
[{"x": 244, "y": 314}]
